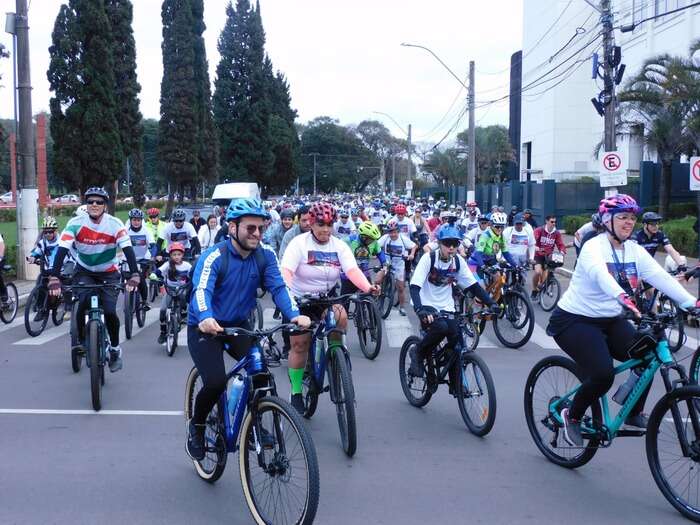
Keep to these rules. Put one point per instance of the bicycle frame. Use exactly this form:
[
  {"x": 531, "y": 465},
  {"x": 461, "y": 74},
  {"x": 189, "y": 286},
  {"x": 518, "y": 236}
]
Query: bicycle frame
[
  {"x": 319, "y": 363},
  {"x": 95, "y": 313}
]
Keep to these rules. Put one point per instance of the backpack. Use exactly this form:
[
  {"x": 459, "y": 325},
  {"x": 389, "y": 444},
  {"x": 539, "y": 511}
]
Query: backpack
[
  {"x": 432, "y": 262},
  {"x": 223, "y": 269}
]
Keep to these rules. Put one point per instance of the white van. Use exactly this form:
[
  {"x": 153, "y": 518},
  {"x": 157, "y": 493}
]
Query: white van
[{"x": 223, "y": 193}]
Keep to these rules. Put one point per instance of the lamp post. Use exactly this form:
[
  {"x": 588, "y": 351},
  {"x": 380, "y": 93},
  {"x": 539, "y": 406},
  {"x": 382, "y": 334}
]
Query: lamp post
[{"x": 409, "y": 148}]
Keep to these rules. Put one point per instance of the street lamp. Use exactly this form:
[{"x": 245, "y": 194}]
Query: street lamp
[{"x": 393, "y": 164}]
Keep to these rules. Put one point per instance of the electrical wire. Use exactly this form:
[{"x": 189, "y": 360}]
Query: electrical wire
[
  {"x": 444, "y": 117},
  {"x": 454, "y": 126}
]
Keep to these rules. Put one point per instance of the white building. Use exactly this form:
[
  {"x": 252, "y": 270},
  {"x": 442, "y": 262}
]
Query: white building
[{"x": 559, "y": 126}]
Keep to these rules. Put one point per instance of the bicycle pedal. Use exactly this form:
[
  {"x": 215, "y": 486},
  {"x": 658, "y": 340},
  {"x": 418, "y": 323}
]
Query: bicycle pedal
[{"x": 631, "y": 432}]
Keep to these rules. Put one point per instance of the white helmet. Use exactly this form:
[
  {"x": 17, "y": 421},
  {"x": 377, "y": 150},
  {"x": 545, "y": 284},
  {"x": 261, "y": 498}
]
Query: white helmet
[
  {"x": 499, "y": 219},
  {"x": 80, "y": 210}
]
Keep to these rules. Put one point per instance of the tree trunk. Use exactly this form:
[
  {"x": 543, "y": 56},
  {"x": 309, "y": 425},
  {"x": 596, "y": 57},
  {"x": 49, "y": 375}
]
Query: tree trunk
[{"x": 665, "y": 188}]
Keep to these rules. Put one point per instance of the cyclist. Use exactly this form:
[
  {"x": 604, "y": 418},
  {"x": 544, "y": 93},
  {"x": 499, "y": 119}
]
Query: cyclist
[
  {"x": 406, "y": 226},
  {"x": 422, "y": 233},
  {"x": 400, "y": 249},
  {"x": 586, "y": 232},
  {"x": 431, "y": 294},
  {"x": 547, "y": 237},
  {"x": 650, "y": 237},
  {"x": 225, "y": 283},
  {"x": 3, "y": 288},
  {"x": 529, "y": 219},
  {"x": 311, "y": 265},
  {"x": 364, "y": 246},
  {"x": 180, "y": 231},
  {"x": 302, "y": 226},
  {"x": 489, "y": 245},
  {"x": 94, "y": 238},
  {"x": 173, "y": 272},
  {"x": 47, "y": 244},
  {"x": 144, "y": 248},
  {"x": 154, "y": 224},
  {"x": 344, "y": 227},
  {"x": 473, "y": 234},
  {"x": 519, "y": 241},
  {"x": 275, "y": 234},
  {"x": 197, "y": 221},
  {"x": 471, "y": 221},
  {"x": 207, "y": 234},
  {"x": 586, "y": 323}
]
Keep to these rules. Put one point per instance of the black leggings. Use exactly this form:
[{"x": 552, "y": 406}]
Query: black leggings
[
  {"x": 108, "y": 301},
  {"x": 3, "y": 288},
  {"x": 437, "y": 331},
  {"x": 208, "y": 355},
  {"x": 593, "y": 344}
]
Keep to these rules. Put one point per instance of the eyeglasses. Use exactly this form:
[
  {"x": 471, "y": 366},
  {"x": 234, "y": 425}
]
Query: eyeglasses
[
  {"x": 252, "y": 228},
  {"x": 451, "y": 243},
  {"x": 49, "y": 231},
  {"x": 497, "y": 227},
  {"x": 552, "y": 222},
  {"x": 179, "y": 220},
  {"x": 93, "y": 202}
]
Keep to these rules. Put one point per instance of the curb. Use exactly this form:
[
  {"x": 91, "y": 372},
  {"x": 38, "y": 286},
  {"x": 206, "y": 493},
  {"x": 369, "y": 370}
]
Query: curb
[{"x": 564, "y": 272}]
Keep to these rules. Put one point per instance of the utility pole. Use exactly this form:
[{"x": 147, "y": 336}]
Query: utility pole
[
  {"x": 393, "y": 171},
  {"x": 606, "y": 19},
  {"x": 28, "y": 194},
  {"x": 314, "y": 156},
  {"x": 471, "y": 159},
  {"x": 410, "y": 159}
]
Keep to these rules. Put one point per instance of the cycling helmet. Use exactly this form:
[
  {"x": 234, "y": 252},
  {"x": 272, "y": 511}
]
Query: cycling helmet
[
  {"x": 287, "y": 213},
  {"x": 49, "y": 223},
  {"x": 179, "y": 215},
  {"x": 242, "y": 207},
  {"x": 96, "y": 192},
  {"x": 344, "y": 213},
  {"x": 595, "y": 220},
  {"x": 499, "y": 219},
  {"x": 370, "y": 230},
  {"x": 651, "y": 216},
  {"x": 322, "y": 212},
  {"x": 400, "y": 209},
  {"x": 471, "y": 204},
  {"x": 80, "y": 210},
  {"x": 518, "y": 219},
  {"x": 153, "y": 212},
  {"x": 449, "y": 232},
  {"x": 136, "y": 213},
  {"x": 392, "y": 225},
  {"x": 618, "y": 203},
  {"x": 176, "y": 246}
]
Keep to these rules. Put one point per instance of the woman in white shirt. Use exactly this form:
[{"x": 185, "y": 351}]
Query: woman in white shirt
[{"x": 207, "y": 234}]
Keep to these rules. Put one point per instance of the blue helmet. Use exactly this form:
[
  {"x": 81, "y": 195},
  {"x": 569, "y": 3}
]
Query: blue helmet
[
  {"x": 449, "y": 232},
  {"x": 241, "y": 207}
]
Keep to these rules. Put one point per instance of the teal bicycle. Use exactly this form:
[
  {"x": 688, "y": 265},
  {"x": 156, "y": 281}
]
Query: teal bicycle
[{"x": 673, "y": 431}]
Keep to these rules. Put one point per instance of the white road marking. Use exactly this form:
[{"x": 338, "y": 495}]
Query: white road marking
[
  {"x": 50, "y": 333},
  {"x": 398, "y": 329},
  {"x": 54, "y": 412}
]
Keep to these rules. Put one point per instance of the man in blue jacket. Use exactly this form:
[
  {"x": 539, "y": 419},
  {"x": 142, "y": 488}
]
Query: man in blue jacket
[{"x": 225, "y": 282}]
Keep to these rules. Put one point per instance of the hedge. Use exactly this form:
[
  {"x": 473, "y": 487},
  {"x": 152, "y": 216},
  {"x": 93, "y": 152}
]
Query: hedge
[
  {"x": 571, "y": 223},
  {"x": 9, "y": 214}
]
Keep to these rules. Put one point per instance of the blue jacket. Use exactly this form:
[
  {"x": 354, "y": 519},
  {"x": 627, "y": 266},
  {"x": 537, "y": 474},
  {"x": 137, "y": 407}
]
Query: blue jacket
[{"x": 236, "y": 294}]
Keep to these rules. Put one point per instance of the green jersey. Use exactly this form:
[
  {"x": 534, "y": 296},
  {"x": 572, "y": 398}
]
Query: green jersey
[{"x": 363, "y": 253}]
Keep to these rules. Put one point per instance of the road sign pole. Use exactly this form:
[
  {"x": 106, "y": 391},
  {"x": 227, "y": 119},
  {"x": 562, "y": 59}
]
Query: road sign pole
[{"x": 694, "y": 185}]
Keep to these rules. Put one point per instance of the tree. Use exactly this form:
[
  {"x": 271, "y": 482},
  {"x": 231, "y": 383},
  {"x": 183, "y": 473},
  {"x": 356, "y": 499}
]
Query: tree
[
  {"x": 446, "y": 166},
  {"x": 3, "y": 136},
  {"x": 379, "y": 140},
  {"x": 178, "y": 137},
  {"x": 127, "y": 88},
  {"x": 493, "y": 150}
]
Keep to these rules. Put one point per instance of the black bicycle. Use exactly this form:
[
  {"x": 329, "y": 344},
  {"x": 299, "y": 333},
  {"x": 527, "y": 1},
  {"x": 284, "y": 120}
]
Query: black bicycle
[
  {"x": 387, "y": 298},
  {"x": 549, "y": 292},
  {"x": 175, "y": 315},
  {"x": 41, "y": 305},
  {"x": 649, "y": 300},
  {"x": 368, "y": 322},
  {"x": 474, "y": 388},
  {"x": 8, "y": 309},
  {"x": 134, "y": 305}
]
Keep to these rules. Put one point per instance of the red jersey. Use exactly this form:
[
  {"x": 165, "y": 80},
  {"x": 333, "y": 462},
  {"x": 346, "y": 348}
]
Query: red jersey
[{"x": 546, "y": 241}]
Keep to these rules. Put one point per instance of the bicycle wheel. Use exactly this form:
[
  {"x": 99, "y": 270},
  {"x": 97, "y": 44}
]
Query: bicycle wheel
[
  {"x": 550, "y": 293},
  {"x": 94, "y": 350},
  {"x": 369, "y": 328},
  {"x": 76, "y": 357},
  {"x": 138, "y": 309},
  {"x": 36, "y": 313},
  {"x": 674, "y": 420},
  {"x": 694, "y": 369},
  {"x": 152, "y": 290},
  {"x": 343, "y": 395},
  {"x": 387, "y": 297},
  {"x": 128, "y": 313},
  {"x": 676, "y": 332},
  {"x": 259, "y": 314},
  {"x": 172, "y": 326},
  {"x": 414, "y": 388},
  {"x": 515, "y": 324},
  {"x": 550, "y": 379},
  {"x": 9, "y": 312},
  {"x": 281, "y": 481},
  {"x": 476, "y": 394},
  {"x": 212, "y": 466},
  {"x": 309, "y": 393},
  {"x": 470, "y": 335},
  {"x": 58, "y": 314}
]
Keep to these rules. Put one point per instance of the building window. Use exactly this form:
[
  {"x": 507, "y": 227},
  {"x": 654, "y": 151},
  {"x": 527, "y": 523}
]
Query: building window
[
  {"x": 639, "y": 12},
  {"x": 664, "y": 6}
]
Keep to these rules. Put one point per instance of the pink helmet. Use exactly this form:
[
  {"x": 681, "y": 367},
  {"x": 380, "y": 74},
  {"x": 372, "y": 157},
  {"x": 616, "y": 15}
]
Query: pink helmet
[{"x": 618, "y": 203}]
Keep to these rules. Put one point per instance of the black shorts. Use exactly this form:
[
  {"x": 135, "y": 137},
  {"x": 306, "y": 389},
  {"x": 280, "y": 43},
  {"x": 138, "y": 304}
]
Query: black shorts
[{"x": 541, "y": 260}]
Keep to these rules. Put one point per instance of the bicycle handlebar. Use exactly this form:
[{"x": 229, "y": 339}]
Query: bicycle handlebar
[
  {"x": 330, "y": 300},
  {"x": 72, "y": 287},
  {"x": 259, "y": 334}
]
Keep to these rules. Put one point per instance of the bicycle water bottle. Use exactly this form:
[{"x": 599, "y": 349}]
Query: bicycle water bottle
[
  {"x": 234, "y": 395},
  {"x": 626, "y": 388}
]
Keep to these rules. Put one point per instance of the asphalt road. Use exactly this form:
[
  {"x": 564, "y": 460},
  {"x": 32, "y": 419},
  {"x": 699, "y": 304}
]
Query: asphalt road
[{"x": 61, "y": 463}]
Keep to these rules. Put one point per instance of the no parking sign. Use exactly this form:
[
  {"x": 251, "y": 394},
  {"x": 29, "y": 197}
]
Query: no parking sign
[
  {"x": 613, "y": 169},
  {"x": 695, "y": 173}
]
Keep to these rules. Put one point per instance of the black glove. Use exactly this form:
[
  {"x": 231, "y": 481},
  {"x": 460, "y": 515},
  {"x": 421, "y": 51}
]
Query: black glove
[
  {"x": 134, "y": 280},
  {"x": 682, "y": 268},
  {"x": 495, "y": 308}
]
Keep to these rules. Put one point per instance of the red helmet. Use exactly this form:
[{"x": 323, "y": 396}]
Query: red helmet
[
  {"x": 153, "y": 212},
  {"x": 471, "y": 204},
  {"x": 400, "y": 209},
  {"x": 176, "y": 246},
  {"x": 322, "y": 212}
]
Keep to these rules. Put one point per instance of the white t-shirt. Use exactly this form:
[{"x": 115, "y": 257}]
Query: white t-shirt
[
  {"x": 343, "y": 230},
  {"x": 377, "y": 216},
  {"x": 181, "y": 273},
  {"x": 469, "y": 224},
  {"x": 316, "y": 266},
  {"x": 473, "y": 235},
  {"x": 396, "y": 249},
  {"x": 594, "y": 289},
  {"x": 406, "y": 226},
  {"x": 520, "y": 243},
  {"x": 436, "y": 285},
  {"x": 141, "y": 241},
  {"x": 582, "y": 232},
  {"x": 172, "y": 234}
]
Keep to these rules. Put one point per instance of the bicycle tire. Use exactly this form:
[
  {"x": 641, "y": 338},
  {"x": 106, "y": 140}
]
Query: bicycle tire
[
  {"x": 550, "y": 294},
  {"x": 470, "y": 335},
  {"x": 387, "y": 297},
  {"x": 535, "y": 421},
  {"x": 152, "y": 290},
  {"x": 407, "y": 379},
  {"x": 128, "y": 314},
  {"x": 138, "y": 309},
  {"x": 501, "y": 322},
  {"x": 8, "y": 315},
  {"x": 58, "y": 314},
  {"x": 260, "y": 315},
  {"x": 171, "y": 323},
  {"x": 309, "y": 394},
  {"x": 210, "y": 469},
  {"x": 369, "y": 328},
  {"x": 76, "y": 360},
  {"x": 694, "y": 368},
  {"x": 675, "y": 340},
  {"x": 477, "y": 383},
  {"x": 32, "y": 309},
  {"x": 660, "y": 426},
  {"x": 343, "y": 395},
  {"x": 286, "y": 424},
  {"x": 93, "y": 330}
]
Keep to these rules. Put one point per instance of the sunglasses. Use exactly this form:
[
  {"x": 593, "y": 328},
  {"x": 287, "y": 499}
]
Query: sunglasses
[
  {"x": 179, "y": 220},
  {"x": 451, "y": 243},
  {"x": 323, "y": 223},
  {"x": 497, "y": 227},
  {"x": 250, "y": 229},
  {"x": 93, "y": 202},
  {"x": 552, "y": 222}
]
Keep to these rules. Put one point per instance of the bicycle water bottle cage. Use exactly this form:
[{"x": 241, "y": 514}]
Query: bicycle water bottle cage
[{"x": 644, "y": 343}]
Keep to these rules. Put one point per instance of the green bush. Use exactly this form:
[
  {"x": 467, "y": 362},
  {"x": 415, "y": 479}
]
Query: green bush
[
  {"x": 677, "y": 210},
  {"x": 571, "y": 223},
  {"x": 8, "y": 215},
  {"x": 680, "y": 233}
]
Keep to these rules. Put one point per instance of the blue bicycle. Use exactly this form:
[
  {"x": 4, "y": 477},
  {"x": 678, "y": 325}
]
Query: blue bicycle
[{"x": 277, "y": 458}]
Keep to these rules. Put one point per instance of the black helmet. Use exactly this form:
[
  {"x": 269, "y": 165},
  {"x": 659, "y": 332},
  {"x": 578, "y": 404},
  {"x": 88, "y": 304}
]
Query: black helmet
[
  {"x": 136, "y": 213},
  {"x": 651, "y": 216},
  {"x": 287, "y": 213},
  {"x": 96, "y": 192},
  {"x": 179, "y": 215}
]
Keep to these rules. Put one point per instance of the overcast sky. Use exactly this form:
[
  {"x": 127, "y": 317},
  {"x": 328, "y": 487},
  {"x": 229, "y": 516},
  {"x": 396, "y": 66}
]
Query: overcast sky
[{"x": 342, "y": 59}]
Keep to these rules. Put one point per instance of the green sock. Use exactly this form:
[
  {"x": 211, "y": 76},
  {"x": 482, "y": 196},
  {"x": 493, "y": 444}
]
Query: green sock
[{"x": 296, "y": 378}]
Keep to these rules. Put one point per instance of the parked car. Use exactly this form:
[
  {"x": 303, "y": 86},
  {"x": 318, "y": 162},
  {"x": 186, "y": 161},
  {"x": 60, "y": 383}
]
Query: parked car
[
  {"x": 6, "y": 198},
  {"x": 67, "y": 199}
]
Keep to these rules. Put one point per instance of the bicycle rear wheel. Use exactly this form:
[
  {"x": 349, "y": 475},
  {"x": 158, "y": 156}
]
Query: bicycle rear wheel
[
  {"x": 515, "y": 324},
  {"x": 676, "y": 332},
  {"x": 343, "y": 395},
  {"x": 414, "y": 388},
  {"x": 36, "y": 313},
  {"x": 674, "y": 420},
  {"x": 476, "y": 394},
  {"x": 369, "y": 328},
  {"x": 550, "y": 293},
  {"x": 96, "y": 368},
  {"x": 281, "y": 480},
  {"x": 9, "y": 312},
  {"x": 128, "y": 313},
  {"x": 386, "y": 299},
  {"x": 138, "y": 309},
  {"x": 212, "y": 466},
  {"x": 549, "y": 380},
  {"x": 173, "y": 326},
  {"x": 152, "y": 290}
]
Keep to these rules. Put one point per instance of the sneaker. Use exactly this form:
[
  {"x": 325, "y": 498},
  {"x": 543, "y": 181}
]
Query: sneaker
[
  {"x": 161, "y": 338},
  {"x": 402, "y": 311},
  {"x": 115, "y": 359},
  {"x": 637, "y": 421},
  {"x": 195, "y": 441},
  {"x": 297, "y": 401},
  {"x": 277, "y": 314},
  {"x": 572, "y": 430},
  {"x": 533, "y": 295},
  {"x": 416, "y": 369},
  {"x": 145, "y": 307}
]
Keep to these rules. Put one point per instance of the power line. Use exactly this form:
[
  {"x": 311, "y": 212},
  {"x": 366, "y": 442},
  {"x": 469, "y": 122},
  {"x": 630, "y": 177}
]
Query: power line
[
  {"x": 444, "y": 117},
  {"x": 449, "y": 132},
  {"x": 630, "y": 27}
]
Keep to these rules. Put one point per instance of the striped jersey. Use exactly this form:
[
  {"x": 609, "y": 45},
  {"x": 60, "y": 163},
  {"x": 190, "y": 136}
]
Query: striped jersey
[{"x": 95, "y": 245}]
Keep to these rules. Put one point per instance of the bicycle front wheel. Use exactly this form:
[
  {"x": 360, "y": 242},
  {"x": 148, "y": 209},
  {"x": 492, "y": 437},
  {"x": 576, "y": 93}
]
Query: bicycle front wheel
[
  {"x": 673, "y": 449},
  {"x": 36, "y": 313},
  {"x": 96, "y": 368},
  {"x": 549, "y": 295},
  {"x": 172, "y": 325},
  {"x": 152, "y": 290},
  {"x": 415, "y": 388},
  {"x": 138, "y": 309},
  {"x": 386, "y": 300},
  {"x": 676, "y": 332},
  {"x": 343, "y": 395},
  {"x": 369, "y": 328},
  {"x": 9, "y": 311},
  {"x": 128, "y": 313},
  {"x": 514, "y": 325},
  {"x": 476, "y": 394},
  {"x": 470, "y": 335},
  {"x": 280, "y": 477}
]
